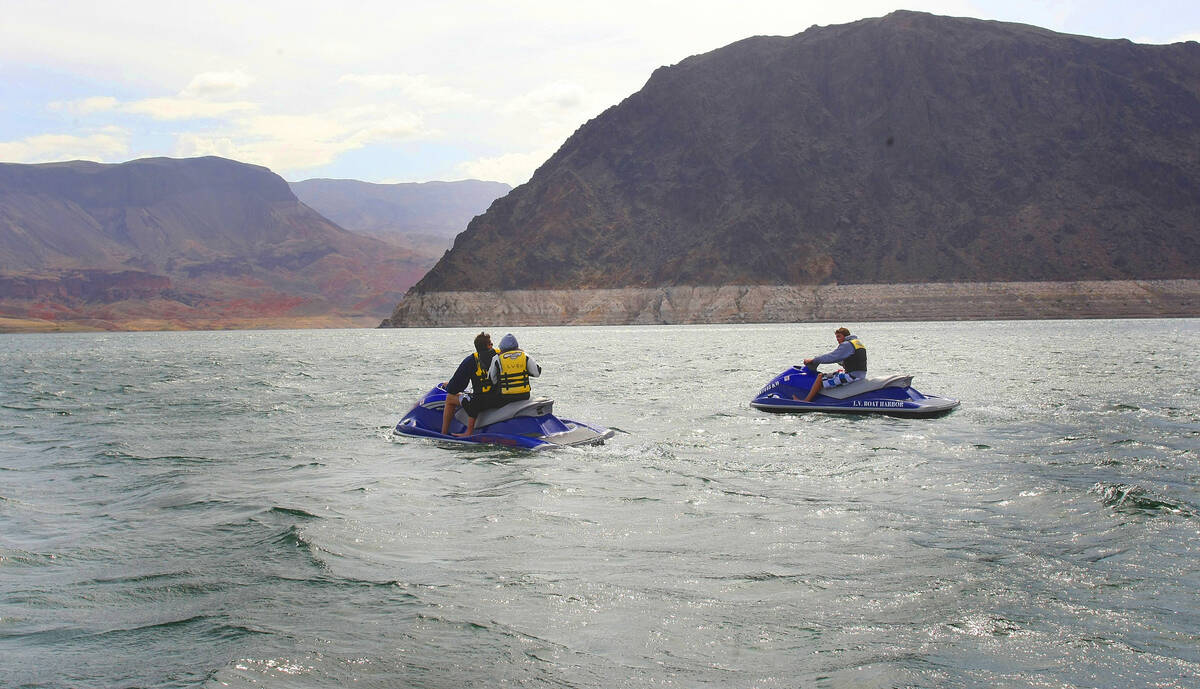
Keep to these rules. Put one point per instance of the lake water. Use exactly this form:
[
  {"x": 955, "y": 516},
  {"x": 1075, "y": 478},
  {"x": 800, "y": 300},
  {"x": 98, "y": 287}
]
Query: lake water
[{"x": 229, "y": 509}]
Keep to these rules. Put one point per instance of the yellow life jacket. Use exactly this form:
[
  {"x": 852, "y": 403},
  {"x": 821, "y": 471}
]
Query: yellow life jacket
[
  {"x": 481, "y": 384},
  {"x": 514, "y": 378}
]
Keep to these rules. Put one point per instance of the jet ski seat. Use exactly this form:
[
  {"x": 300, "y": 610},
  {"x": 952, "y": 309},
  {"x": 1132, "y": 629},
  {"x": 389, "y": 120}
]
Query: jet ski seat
[
  {"x": 858, "y": 387},
  {"x": 538, "y": 406}
]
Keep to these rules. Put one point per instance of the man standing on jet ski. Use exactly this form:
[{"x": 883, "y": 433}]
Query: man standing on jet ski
[
  {"x": 483, "y": 393},
  {"x": 850, "y": 353},
  {"x": 511, "y": 369}
]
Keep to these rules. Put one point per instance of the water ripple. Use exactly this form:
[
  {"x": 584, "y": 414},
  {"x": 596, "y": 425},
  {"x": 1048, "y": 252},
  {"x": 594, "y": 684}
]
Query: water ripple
[{"x": 188, "y": 509}]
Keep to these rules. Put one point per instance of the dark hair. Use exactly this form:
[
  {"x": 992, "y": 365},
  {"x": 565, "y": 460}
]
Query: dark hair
[
  {"x": 842, "y": 331},
  {"x": 483, "y": 342}
]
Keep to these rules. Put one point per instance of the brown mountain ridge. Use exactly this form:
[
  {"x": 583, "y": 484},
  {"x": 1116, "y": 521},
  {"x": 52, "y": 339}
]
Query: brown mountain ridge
[
  {"x": 906, "y": 149},
  {"x": 201, "y": 242}
]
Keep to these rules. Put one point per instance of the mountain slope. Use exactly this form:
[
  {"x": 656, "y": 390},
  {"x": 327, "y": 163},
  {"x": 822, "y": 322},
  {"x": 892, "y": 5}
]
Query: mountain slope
[
  {"x": 400, "y": 211},
  {"x": 910, "y": 148},
  {"x": 204, "y": 239}
]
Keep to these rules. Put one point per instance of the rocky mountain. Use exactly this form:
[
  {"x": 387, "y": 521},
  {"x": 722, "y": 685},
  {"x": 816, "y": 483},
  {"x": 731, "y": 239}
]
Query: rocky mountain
[
  {"x": 406, "y": 213},
  {"x": 203, "y": 242},
  {"x": 904, "y": 149}
]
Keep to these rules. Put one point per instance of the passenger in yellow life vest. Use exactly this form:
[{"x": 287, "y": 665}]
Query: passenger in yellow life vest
[{"x": 511, "y": 370}]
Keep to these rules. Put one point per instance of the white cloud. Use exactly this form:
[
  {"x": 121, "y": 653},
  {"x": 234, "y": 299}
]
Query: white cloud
[
  {"x": 108, "y": 144},
  {"x": 216, "y": 84},
  {"x": 291, "y": 143},
  {"x": 419, "y": 88},
  {"x": 378, "y": 82},
  {"x": 399, "y": 127},
  {"x": 169, "y": 108},
  {"x": 560, "y": 95},
  {"x": 513, "y": 168},
  {"x": 85, "y": 106},
  {"x": 280, "y": 155},
  {"x": 356, "y": 125},
  {"x": 194, "y": 145},
  {"x": 193, "y": 102},
  {"x": 1194, "y": 36},
  {"x": 185, "y": 108}
]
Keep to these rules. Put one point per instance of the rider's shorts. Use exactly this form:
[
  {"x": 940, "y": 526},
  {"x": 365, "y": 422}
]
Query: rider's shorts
[
  {"x": 833, "y": 380},
  {"x": 474, "y": 403}
]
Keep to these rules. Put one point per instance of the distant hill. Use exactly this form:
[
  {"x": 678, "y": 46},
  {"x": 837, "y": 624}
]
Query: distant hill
[
  {"x": 906, "y": 149},
  {"x": 206, "y": 242},
  {"x": 410, "y": 214}
]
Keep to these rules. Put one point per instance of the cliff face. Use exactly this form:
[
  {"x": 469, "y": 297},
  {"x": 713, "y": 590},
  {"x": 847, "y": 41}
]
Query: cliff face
[
  {"x": 911, "y": 148},
  {"x": 208, "y": 238},
  {"x": 819, "y": 303}
]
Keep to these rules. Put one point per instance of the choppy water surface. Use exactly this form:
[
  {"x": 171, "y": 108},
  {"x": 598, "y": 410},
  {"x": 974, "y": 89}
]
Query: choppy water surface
[{"x": 229, "y": 509}]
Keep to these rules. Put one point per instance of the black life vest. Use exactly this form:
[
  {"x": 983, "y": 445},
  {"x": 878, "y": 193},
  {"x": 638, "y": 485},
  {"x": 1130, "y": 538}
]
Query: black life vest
[
  {"x": 858, "y": 360},
  {"x": 481, "y": 384}
]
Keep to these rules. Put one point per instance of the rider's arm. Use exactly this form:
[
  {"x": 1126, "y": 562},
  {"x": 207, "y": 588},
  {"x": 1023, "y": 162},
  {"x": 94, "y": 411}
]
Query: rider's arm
[{"x": 840, "y": 353}]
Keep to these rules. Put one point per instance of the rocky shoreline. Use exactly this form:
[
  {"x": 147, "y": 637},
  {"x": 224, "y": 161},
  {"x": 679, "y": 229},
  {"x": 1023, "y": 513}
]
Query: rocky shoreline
[{"x": 824, "y": 303}]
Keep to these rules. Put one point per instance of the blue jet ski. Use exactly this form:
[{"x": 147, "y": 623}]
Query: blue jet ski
[
  {"x": 891, "y": 395},
  {"x": 527, "y": 424}
]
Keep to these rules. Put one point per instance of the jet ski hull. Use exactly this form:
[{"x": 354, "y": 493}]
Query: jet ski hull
[
  {"x": 892, "y": 396},
  {"x": 528, "y": 424}
]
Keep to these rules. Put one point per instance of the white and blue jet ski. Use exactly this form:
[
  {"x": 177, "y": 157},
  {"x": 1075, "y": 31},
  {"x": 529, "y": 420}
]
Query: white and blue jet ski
[
  {"x": 526, "y": 424},
  {"x": 891, "y": 395}
]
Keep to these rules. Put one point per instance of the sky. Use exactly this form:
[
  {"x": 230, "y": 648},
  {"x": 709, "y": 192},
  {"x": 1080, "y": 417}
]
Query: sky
[{"x": 400, "y": 91}]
